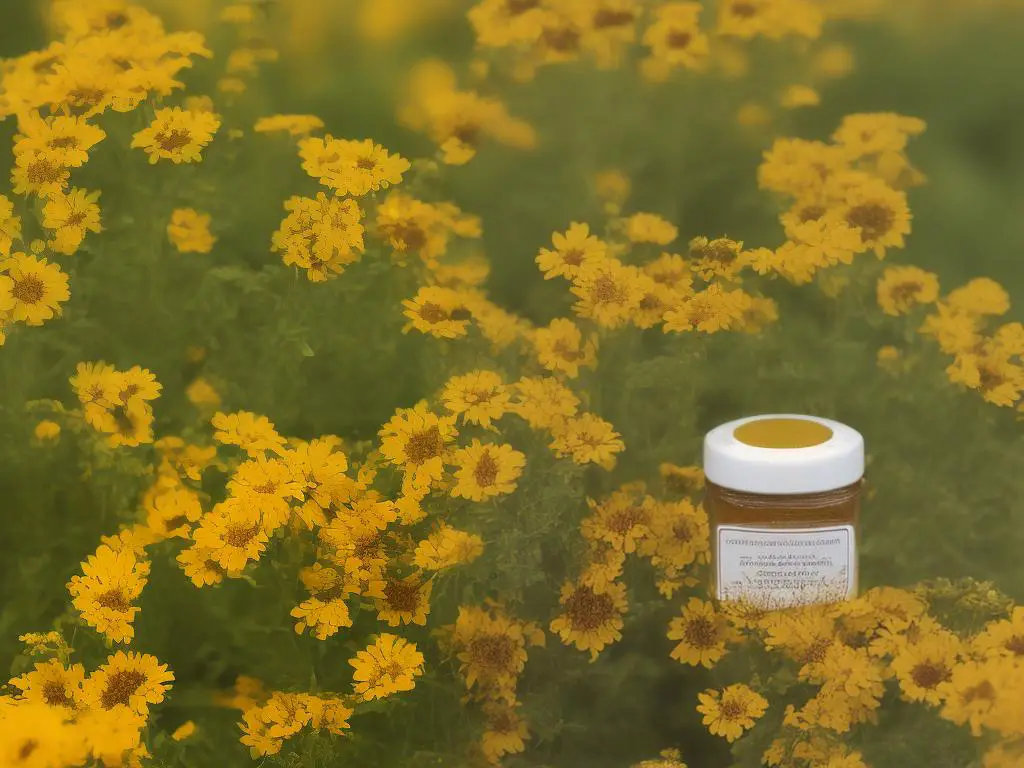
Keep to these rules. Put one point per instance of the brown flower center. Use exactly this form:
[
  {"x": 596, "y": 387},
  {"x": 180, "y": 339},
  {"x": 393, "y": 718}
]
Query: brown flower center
[
  {"x": 75, "y": 219},
  {"x": 573, "y": 257},
  {"x": 239, "y": 535},
  {"x": 623, "y": 520},
  {"x": 1015, "y": 645},
  {"x": 588, "y": 610},
  {"x": 268, "y": 488},
  {"x": 434, "y": 313},
  {"x": 606, "y": 291},
  {"x": 486, "y": 470},
  {"x": 29, "y": 290},
  {"x": 85, "y": 97},
  {"x": 733, "y": 710},
  {"x": 55, "y": 694},
  {"x": 331, "y": 593},
  {"x": 425, "y": 445},
  {"x": 120, "y": 686},
  {"x": 717, "y": 253},
  {"x": 493, "y": 652},
  {"x": 170, "y": 141},
  {"x": 610, "y": 17},
  {"x": 407, "y": 236},
  {"x": 566, "y": 351},
  {"x": 503, "y": 721},
  {"x": 116, "y": 19},
  {"x": 518, "y": 7},
  {"x": 874, "y": 220},
  {"x": 42, "y": 171},
  {"x": 115, "y": 600},
  {"x": 929, "y": 674},
  {"x": 983, "y": 690},
  {"x": 904, "y": 293},
  {"x": 402, "y": 596},
  {"x": 677, "y": 39},
  {"x": 63, "y": 142},
  {"x": 743, "y": 10},
  {"x": 810, "y": 213},
  {"x": 564, "y": 40},
  {"x": 700, "y": 632},
  {"x": 366, "y": 163},
  {"x": 815, "y": 652}
]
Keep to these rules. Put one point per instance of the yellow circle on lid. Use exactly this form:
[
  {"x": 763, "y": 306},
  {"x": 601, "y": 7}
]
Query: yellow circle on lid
[{"x": 782, "y": 433}]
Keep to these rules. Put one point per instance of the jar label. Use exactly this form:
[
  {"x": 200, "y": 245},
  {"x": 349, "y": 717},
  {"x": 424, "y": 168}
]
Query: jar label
[{"x": 780, "y": 568}]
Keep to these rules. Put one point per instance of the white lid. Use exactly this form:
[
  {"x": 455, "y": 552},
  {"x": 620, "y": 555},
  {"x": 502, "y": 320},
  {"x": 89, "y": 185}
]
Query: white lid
[{"x": 783, "y": 453}]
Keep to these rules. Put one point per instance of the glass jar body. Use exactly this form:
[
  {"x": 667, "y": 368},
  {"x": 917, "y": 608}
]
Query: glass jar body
[{"x": 787, "y": 549}]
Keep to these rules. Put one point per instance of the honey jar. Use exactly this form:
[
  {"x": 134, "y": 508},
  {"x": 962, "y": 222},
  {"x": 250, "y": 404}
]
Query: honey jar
[{"x": 783, "y": 499}]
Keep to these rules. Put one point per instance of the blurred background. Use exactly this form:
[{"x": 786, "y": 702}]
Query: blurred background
[{"x": 946, "y": 475}]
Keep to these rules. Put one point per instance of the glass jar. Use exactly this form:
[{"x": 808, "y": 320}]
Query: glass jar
[{"x": 783, "y": 499}]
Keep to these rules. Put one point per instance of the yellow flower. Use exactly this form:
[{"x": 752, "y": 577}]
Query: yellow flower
[
  {"x": 295, "y": 125},
  {"x": 731, "y": 711},
  {"x": 189, "y": 231},
  {"x": 685, "y": 481},
  {"x": 797, "y": 96},
  {"x": 486, "y": 470},
  {"x": 40, "y": 172},
  {"x": 590, "y": 619},
  {"x": 501, "y": 23},
  {"x": 110, "y": 582},
  {"x": 972, "y": 691},
  {"x": 669, "y": 758},
  {"x": 587, "y": 439},
  {"x": 675, "y": 39},
  {"x": 572, "y": 250},
  {"x": 505, "y": 732},
  {"x": 268, "y": 487},
  {"x": 709, "y": 311},
  {"x": 880, "y": 215},
  {"x": 322, "y": 235},
  {"x": 52, "y": 684},
  {"x": 325, "y": 611},
  {"x": 232, "y": 533},
  {"x": 650, "y": 228},
  {"x": 991, "y": 371},
  {"x": 416, "y": 440},
  {"x": 172, "y": 512},
  {"x": 981, "y": 296},
  {"x": 622, "y": 520},
  {"x": 388, "y": 665},
  {"x": 69, "y": 138},
  {"x": 607, "y": 292},
  {"x": 10, "y": 226},
  {"x": 544, "y": 402},
  {"x": 202, "y": 394},
  {"x": 184, "y": 731},
  {"x": 478, "y": 397},
  {"x": 177, "y": 134},
  {"x": 923, "y": 667},
  {"x": 31, "y": 289},
  {"x": 876, "y": 133},
  {"x": 34, "y": 735},
  {"x": 721, "y": 257},
  {"x": 351, "y": 167},
  {"x": 702, "y": 632},
  {"x": 1003, "y": 638},
  {"x": 253, "y": 433},
  {"x": 560, "y": 347},
  {"x": 71, "y": 215},
  {"x": 491, "y": 649},
  {"x": 131, "y": 680},
  {"x": 447, "y": 547},
  {"x": 200, "y": 566},
  {"x": 441, "y": 312},
  {"x": 47, "y": 430},
  {"x": 401, "y": 601},
  {"x": 901, "y": 288}
]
